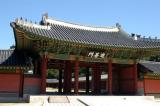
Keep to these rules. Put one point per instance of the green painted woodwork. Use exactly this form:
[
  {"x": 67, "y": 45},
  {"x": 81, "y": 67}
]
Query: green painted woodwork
[
  {"x": 152, "y": 76},
  {"x": 11, "y": 68},
  {"x": 88, "y": 59},
  {"x": 61, "y": 57},
  {"x": 7, "y": 70},
  {"x": 122, "y": 61}
]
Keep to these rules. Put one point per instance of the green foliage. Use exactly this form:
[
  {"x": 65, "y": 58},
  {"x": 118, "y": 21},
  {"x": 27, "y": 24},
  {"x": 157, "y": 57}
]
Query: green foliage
[
  {"x": 155, "y": 58},
  {"x": 52, "y": 73},
  {"x": 82, "y": 72}
]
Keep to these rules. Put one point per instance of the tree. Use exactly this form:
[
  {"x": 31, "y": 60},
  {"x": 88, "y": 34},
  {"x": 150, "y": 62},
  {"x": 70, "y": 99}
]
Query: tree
[
  {"x": 52, "y": 73},
  {"x": 155, "y": 58}
]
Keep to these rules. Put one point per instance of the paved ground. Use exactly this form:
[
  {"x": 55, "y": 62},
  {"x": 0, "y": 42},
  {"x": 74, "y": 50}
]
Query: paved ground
[
  {"x": 87, "y": 101},
  {"x": 68, "y": 100},
  {"x": 119, "y": 101}
]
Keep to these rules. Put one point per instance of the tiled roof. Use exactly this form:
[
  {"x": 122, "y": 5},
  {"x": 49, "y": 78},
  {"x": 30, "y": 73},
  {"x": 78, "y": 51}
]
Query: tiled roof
[
  {"x": 13, "y": 58},
  {"x": 151, "y": 65},
  {"x": 104, "y": 36}
]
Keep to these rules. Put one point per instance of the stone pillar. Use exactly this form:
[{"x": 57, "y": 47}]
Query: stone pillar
[
  {"x": 60, "y": 81},
  {"x": 87, "y": 80},
  {"x": 110, "y": 76},
  {"x": 43, "y": 74},
  {"x": 76, "y": 76}
]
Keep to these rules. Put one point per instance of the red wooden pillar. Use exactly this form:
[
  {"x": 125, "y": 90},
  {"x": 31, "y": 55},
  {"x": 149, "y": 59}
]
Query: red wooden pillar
[
  {"x": 60, "y": 81},
  {"x": 110, "y": 76},
  {"x": 21, "y": 83},
  {"x": 144, "y": 85},
  {"x": 69, "y": 69},
  {"x": 35, "y": 67},
  {"x": 135, "y": 77},
  {"x": 98, "y": 80},
  {"x": 43, "y": 74},
  {"x": 93, "y": 80},
  {"x": 67, "y": 77},
  {"x": 87, "y": 80},
  {"x": 76, "y": 74}
]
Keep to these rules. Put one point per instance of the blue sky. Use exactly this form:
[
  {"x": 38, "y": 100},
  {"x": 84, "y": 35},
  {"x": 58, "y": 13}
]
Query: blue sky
[{"x": 135, "y": 16}]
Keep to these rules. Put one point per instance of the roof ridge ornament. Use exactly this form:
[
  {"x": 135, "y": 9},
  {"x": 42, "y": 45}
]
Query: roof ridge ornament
[
  {"x": 136, "y": 36},
  {"x": 46, "y": 14},
  {"x": 44, "y": 18},
  {"x": 118, "y": 25}
]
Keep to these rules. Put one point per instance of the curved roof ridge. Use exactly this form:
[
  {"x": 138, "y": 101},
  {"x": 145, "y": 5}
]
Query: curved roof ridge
[{"x": 79, "y": 26}]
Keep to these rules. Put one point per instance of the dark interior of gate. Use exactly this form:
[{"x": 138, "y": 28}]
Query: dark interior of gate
[{"x": 95, "y": 79}]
